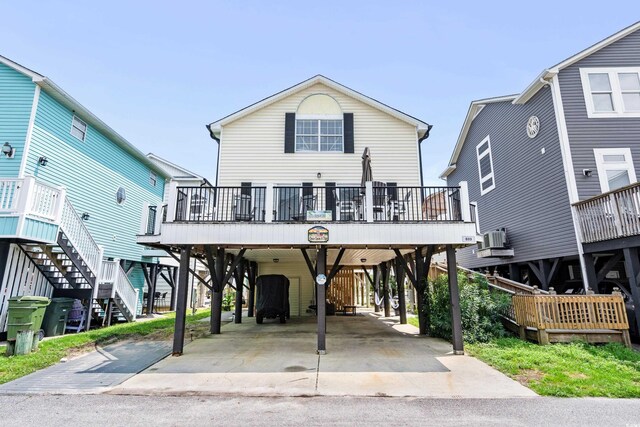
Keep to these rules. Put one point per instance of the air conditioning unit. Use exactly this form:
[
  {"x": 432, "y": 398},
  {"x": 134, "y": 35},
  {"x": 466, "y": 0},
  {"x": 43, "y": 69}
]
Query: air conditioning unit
[{"x": 495, "y": 239}]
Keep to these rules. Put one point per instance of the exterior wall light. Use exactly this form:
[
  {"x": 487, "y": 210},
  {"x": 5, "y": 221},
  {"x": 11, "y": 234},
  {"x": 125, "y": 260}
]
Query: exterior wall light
[
  {"x": 85, "y": 216},
  {"x": 42, "y": 161},
  {"x": 319, "y": 175},
  {"x": 8, "y": 150},
  {"x": 363, "y": 260},
  {"x": 276, "y": 260}
]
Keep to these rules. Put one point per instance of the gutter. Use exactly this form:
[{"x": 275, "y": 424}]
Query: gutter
[
  {"x": 217, "y": 140},
  {"x": 425, "y": 136}
]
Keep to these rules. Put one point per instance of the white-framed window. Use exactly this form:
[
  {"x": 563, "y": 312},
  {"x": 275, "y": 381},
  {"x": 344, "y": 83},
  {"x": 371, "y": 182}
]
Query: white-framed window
[
  {"x": 315, "y": 134},
  {"x": 611, "y": 92},
  {"x": 485, "y": 166},
  {"x": 153, "y": 178},
  {"x": 615, "y": 168},
  {"x": 78, "y": 128}
]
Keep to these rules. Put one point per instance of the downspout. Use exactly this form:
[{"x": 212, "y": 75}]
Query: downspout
[
  {"x": 425, "y": 136},
  {"x": 217, "y": 140},
  {"x": 567, "y": 163}
]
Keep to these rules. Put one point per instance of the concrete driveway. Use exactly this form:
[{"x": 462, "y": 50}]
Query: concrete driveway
[{"x": 366, "y": 356}]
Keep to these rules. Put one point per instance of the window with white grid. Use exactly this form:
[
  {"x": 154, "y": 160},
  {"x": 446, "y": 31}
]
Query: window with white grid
[
  {"x": 319, "y": 135},
  {"x": 611, "y": 92}
]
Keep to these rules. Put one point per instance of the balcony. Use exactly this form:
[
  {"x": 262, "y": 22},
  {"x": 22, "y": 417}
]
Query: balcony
[
  {"x": 611, "y": 215},
  {"x": 281, "y": 215}
]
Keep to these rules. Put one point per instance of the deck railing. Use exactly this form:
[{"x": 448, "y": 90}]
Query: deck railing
[
  {"x": 610, "y": 215},
  {"x": 9, "y": 194},
  {"x": 76, "y": 231},
  {"x": 571, "y": 312},
  {"x": 112, "y": 273},
  {"x": 220, "y": 204},
  {"x": 372, "y": 203}
]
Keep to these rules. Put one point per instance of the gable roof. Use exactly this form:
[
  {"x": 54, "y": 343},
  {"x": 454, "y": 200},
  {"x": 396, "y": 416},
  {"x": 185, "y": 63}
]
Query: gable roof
[
  {"x": 214, "y": 128},
  {"x": 183, "y": 173},
  {"x": 472, "y": 113},
  {"x": 548, "y": 73},
  {"x": 68, "y": 101},
  {"x": 530, "y": 91}
]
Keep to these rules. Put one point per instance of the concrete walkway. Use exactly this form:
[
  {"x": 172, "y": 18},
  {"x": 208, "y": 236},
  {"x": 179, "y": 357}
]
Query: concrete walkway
[
  {"x": 93, "y": 372},
  {"x": 366, "y": 356}
]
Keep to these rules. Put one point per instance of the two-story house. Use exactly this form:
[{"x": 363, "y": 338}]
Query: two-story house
[
  {"x": 71, "y": 194},
  {"x": 314, "y": 181},
  {"x": 553, "y": 171}
]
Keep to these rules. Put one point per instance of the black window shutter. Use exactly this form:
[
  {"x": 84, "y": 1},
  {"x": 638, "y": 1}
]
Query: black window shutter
[
  {"x": 348, "y": 132},
  {"x": 307, "y": 189},
  {"x": 392, "y": 190},
  {"x": 246, "y": 188},
  {"x": 290, "y": 132},
  {"x": 330, "y": 199}
]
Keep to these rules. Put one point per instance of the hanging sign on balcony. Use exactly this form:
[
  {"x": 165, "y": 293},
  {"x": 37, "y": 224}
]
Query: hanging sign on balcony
[
  {"x": 318, "y": 234},
  {"x": 318, "y": 215}
]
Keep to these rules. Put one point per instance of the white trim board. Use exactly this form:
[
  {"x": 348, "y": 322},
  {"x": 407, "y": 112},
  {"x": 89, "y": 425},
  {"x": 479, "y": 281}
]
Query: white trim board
[{"x": 27, "y": 142}]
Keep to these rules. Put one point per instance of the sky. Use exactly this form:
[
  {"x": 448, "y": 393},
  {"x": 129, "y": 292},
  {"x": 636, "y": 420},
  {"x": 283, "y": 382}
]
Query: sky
[{"x": 158, "y": 71}]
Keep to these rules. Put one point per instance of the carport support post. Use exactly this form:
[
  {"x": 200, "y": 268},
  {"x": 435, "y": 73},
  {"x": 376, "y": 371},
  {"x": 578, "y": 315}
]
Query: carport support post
[
  {"x": 632, "y": 265},
  {"x": 251, "y": 269},
  {"x": 181, "y": 309},
  {"x": 321, "y": 306},
  {"x": 402, "y": 304},
  {"x": 216, "y": 294},
  {"x": 454, "y": 298},
  {"x": 239, "y": 278},
  {"x": 384, "y": 267},
  {"x": 376, "y": 288}
]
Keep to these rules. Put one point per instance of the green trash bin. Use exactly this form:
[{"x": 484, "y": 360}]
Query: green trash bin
[
  {"x": 55, "y": 318},
  {"x": 24, "y": 320}
]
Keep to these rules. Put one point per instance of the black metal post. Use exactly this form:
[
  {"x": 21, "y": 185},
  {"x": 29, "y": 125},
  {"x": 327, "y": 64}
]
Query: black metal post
[
  {"x": 384, "y": 267},
  {"x": 402, "y": 304},
  {"x": 421, "y": 300},
  {"x": 239, "y": 279},
  {"x": 591, "y": 281},
  {"x": 252, "y": 268},
  {"x": 154, "y": 283},
  {"x": 174, "y": 290},
  {"x": 514, "y": 272},
  {"x": 454, "y": 298},
  {"x": 632, "y": 265},
  {"x": 216, "y": 297},
  {"x": 181, "y": 309},
  {"x": 376, "y": 288},
  {"x": 321, "y": 268}
]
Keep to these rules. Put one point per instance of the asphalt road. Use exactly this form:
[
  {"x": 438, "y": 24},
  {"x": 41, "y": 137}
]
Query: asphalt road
[{"x": 49, "y": 410}]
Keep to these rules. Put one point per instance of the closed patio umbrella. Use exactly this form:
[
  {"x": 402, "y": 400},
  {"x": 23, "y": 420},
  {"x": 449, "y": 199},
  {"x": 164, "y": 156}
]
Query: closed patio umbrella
[{"x": 367, "y": 175}]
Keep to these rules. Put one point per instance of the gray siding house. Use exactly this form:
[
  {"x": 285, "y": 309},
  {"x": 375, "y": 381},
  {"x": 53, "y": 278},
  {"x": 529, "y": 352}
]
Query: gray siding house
[{"x": 555, "y": 167}]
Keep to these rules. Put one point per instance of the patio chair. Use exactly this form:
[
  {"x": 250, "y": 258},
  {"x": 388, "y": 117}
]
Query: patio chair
[
  {"x": 380, "y": 201},
  {"x": 242, "y": 210},
  {"x": 346, "y": 209},
  {"x": 76, "y": 318},
  {"x": 399, "y": 208}
]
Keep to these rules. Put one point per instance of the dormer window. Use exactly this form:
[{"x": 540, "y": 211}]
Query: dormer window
[{"x": 319, "y": 135}]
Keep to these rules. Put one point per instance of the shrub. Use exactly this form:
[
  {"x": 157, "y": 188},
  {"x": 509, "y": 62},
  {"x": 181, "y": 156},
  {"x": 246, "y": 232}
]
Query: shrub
[{"x": 480, "y": 309}]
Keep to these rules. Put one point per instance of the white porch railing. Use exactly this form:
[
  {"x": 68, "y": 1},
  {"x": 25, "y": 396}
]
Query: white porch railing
[
  {"x": 9, "y": 195},
  {"x": 112, "y": 273},
  {"x": 610, "y": 215},
  {"x": 79, "y": 236},
  {"x": 45, "y": 201}
]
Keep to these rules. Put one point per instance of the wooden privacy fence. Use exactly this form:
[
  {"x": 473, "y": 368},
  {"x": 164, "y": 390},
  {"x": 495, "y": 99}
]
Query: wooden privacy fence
[
  {"x": 560, "y": 318},
  {"x": 341, "y": 291}
]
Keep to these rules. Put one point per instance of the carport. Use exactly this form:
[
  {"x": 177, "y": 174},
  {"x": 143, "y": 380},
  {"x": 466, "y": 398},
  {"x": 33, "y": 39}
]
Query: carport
[{"x": 320, "y": 263}]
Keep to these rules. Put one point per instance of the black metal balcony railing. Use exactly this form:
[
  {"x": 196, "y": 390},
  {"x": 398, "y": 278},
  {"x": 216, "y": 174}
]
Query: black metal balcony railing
[
  {"x": 220, "y": 204},
  {"x": 345, "y": 204},
  {"x": 318, "y": 204}
]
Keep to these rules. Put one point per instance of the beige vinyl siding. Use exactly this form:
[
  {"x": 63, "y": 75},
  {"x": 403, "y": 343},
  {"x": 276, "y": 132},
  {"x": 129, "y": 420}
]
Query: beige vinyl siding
[
  {"x": 293, "y": 270},
  {"x": 252, "y": 147}
]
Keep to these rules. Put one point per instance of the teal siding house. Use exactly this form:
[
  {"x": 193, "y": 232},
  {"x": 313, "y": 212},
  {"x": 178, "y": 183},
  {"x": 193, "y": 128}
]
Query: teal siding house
[{"x": 71, "y": 195}]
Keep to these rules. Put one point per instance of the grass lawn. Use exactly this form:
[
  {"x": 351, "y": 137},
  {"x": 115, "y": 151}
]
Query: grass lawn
[
  {"x": 413, "y": 320},
  {"x": 565, "y": 370},
  {"x": 51, "y": 351}
]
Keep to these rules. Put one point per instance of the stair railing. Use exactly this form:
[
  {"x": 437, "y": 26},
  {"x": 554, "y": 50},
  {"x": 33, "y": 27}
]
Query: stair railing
[
  {"x": 113, "y": 273},
  {"x": 74, "y": 229}
]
